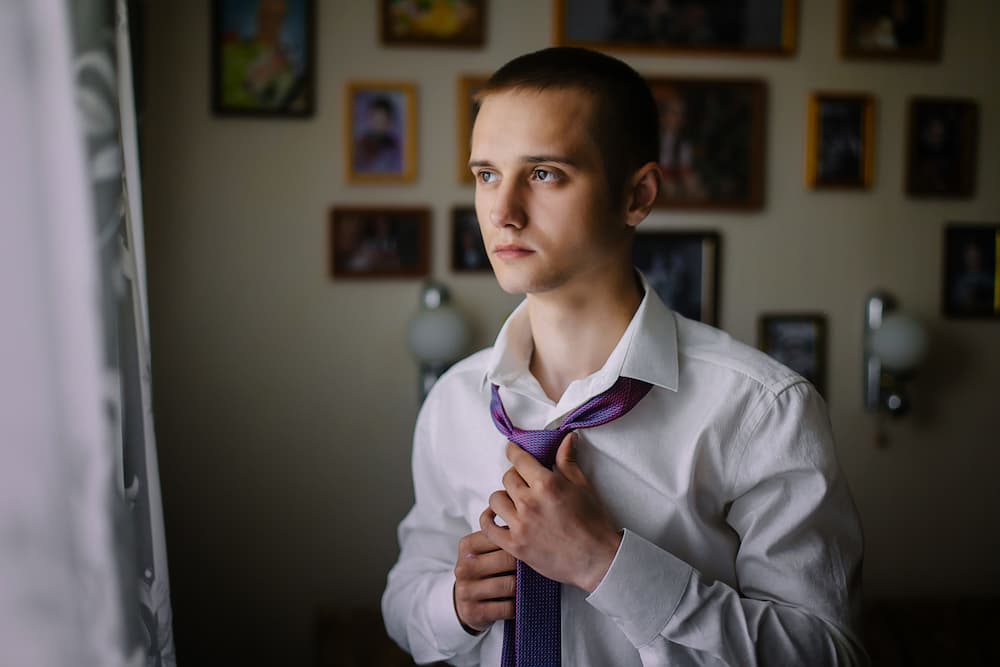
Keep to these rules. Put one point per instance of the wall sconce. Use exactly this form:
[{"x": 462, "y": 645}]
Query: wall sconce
[
  {"x": 895, "y": 345},
  {"x": 438, "y": 335}
]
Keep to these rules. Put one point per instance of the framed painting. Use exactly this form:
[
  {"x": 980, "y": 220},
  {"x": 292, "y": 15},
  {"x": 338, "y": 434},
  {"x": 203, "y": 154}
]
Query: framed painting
[
  {"x": 468, "y": 252},
  {"x": 797, "y": 340},
  {"x": 840, "y": 141},
  {"x": 440, "y": 23},
  {"x": 263, "y": 54},
  {"x": 379, "y": 242},
  {"x": 942, "y": 134},
  {"x": 683, "y": 269},
  {"x": 716, "y": 27},
  {"x": 711, "y": 142},
  {"x": 381, "y": 132},
  {"x": 468, "y": 86},
  {"x": 972, "y": 271},
  {"x": 891, "y": 29}
]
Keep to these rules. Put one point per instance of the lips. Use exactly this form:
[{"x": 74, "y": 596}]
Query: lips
[{"x": 512, "y": 251}]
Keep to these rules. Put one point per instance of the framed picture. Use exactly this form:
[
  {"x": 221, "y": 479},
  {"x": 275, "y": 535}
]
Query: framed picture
[
  {"x": 381, "y": 132},
  {"x": 468, "y": 252},
  {"x": 379, "y": 242},
  {"x": 840, "y": 141},
  {"x": 440, "y": 23},
  {"x": 468, "y": 86},
  {"x": 972, "y": 271},
  {"x": 942, "y": 134},
  {"x": 797, "y": 340},
  {"x": 718, "y": 27},
  {"x": 262, "y": 57},
  {"x": 683, "y": 269},
  {"x": 891, "y": 29},
  {"x": 711, "y": 142}
]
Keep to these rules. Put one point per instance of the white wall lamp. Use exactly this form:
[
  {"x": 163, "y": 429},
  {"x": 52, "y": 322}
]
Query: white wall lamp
[
  {"x": 895, "y": 345},
  {"x": 438, "y": 335}
]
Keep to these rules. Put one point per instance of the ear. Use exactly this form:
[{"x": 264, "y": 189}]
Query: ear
[{"x": 644, "y": 188}]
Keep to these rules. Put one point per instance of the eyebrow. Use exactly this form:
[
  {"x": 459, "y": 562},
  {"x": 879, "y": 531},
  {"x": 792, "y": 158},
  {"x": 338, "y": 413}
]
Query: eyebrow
[{"x": 532, "y": 159}]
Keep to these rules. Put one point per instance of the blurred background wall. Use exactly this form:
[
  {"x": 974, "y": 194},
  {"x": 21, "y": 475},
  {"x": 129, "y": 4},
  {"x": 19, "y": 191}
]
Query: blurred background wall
[{"x": 285, "y": 400}]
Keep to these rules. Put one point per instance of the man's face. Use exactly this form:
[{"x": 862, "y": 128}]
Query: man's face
[{"x": 541, "y": 193}]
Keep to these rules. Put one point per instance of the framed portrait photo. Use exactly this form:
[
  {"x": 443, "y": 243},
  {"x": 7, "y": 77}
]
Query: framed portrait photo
[
  {"x": 711, "y": 142},
  {"x": 381, "y": 132},
  {"x": 379, "y": 242},
  {"x": 262, "y": 57},
  {"x": 891, "y": 29},
  {"x": 468, "y": 252},
  {"x": 439, "y": 23},
  {"x": 941, "y": 138},
  {"x": 972, "y": 271},
  {"x": 797, "y": 340},
  {"x": 468, "y": 86},
  {"x": 718, "y": 27},
  {"x": 840, "y": 141},
  {"x": 683, "y": 269}
]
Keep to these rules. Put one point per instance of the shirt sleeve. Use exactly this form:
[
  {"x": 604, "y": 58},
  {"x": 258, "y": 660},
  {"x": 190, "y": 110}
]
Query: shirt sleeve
[
  {"x": 798, "y": 566},
  {"x": 417, "y": 604}
]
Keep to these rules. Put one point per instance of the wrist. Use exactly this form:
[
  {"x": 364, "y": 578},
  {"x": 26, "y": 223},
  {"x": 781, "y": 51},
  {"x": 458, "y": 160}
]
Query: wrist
[{"x": 602, "y": 563}]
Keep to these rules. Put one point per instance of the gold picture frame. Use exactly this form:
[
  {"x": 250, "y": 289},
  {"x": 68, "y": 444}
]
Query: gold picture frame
[
  {"x": 380, "y": 132},
  {"x": 903, "y": 30},
  {"x": 840, "y": 141}
]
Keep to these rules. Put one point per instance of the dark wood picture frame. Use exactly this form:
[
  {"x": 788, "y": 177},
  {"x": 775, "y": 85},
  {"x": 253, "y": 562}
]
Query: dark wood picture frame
[
  {"x": 250, "y": 76},
  {"x": 379, "y": 242},
  {"x": 380, "y": 131},
  {"x": 875, "y": 30},
  {"x": 971, "y": 280},
  {"x": 840, "y": 141},
  {"x": 468, "y": 86},
  {"x": 468, "y": 251},
  {"x": 941, "y": 147},
  {"x": 406, "y": 23},
  {"x": 712, "y": 142},
  {"x": 683, "y": 267},
  {"x": 797, "y": 340},
  {"x": 699, "y": 29}
]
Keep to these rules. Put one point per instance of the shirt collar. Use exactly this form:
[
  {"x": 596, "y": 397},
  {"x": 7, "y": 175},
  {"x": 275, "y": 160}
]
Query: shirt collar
[{"x": 646, "y": 351}]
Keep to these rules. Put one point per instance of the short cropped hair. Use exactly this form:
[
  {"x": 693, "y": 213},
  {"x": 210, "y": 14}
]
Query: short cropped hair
[{"x": 625, "y": 122}]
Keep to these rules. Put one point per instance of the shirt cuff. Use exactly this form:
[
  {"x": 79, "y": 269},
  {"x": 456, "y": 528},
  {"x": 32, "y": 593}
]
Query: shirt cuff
[
  {"x": 641, "y": 589},
  {"x": 449, "y": 634}
]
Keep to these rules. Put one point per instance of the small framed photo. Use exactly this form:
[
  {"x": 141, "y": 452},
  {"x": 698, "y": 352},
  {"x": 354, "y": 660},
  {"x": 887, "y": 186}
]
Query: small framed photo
[
  {"x": 377, "y": 242},
  {"x": 468, "y": 252},
  {"x": 972, "y": 271},
  {"x": 891, "y": 29},
  {"x": 441, "y": 23},
  {"x": 840, "y": 144},
  {"x": 262, "y": 57},
  {"x": 381, "y": 132},
  {"x": 797, "y": 340},
  {"x": 683, "y": 269},
  {"x": 711, "y": 142},
  {"x": 942, "y": 134},
  {"x": 734, "y": 27},
  {"x": 468, "y": 86}
]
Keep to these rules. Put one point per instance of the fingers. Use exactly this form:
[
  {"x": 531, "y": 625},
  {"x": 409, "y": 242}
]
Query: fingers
[
  {"x": 481, "y": 566},
  {"x": 475, "y": 544},
  {"x": 531, "y": 471},
  {"x": 513, "y": 482},
  {"x": 566, "y": 462}
]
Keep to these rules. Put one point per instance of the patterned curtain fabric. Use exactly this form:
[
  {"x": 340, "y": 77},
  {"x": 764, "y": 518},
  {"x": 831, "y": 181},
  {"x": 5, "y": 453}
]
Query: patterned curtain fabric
[{"x": 83, "y": 576}]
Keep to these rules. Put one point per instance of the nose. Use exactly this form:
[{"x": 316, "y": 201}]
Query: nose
[{"x": 507, "y": 208}]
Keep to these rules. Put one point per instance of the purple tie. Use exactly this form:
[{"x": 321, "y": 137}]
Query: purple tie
[{"x": 532, "y": 639}]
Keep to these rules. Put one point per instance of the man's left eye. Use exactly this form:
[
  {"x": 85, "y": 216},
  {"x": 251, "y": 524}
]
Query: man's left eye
[{"x": 545, "y": 175}]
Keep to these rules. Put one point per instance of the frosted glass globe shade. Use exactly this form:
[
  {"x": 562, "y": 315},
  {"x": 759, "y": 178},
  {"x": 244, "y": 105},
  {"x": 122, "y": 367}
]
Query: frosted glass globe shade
[
  {"x": 900, "y": 343},
  {"x": 438, "y": 335}
]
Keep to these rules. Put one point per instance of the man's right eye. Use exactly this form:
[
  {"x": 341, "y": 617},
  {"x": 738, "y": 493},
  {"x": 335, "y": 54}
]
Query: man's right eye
[{"x": 486, "y": 176}]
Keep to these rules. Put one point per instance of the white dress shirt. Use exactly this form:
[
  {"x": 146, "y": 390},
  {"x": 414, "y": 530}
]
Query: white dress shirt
[{"x": 741, "y": 542}]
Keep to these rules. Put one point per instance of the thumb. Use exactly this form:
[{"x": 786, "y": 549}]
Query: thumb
[{"x": 566, "y": 461}]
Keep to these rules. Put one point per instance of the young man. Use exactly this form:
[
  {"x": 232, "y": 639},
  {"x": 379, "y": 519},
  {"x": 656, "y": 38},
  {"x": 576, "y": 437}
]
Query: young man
[{"x": 699, "y": 517}]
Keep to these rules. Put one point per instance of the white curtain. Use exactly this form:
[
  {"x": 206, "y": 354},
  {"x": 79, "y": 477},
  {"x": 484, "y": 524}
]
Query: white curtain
[{"x": 83, "y": 576}]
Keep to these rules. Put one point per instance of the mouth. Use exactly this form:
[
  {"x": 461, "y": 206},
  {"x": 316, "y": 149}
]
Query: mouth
[{"x": 511, "y": 251}]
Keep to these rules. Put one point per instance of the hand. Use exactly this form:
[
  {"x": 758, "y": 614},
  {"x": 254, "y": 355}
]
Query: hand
[
  {"x": 484, "y": 582},
  {"x": 555, "y": 521}
]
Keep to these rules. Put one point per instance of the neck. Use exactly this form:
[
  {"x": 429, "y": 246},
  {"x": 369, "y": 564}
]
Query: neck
[{"x": 575, "y": 328}]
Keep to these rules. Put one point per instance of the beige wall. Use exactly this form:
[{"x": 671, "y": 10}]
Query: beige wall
[{"x": 285, "y": 401}]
